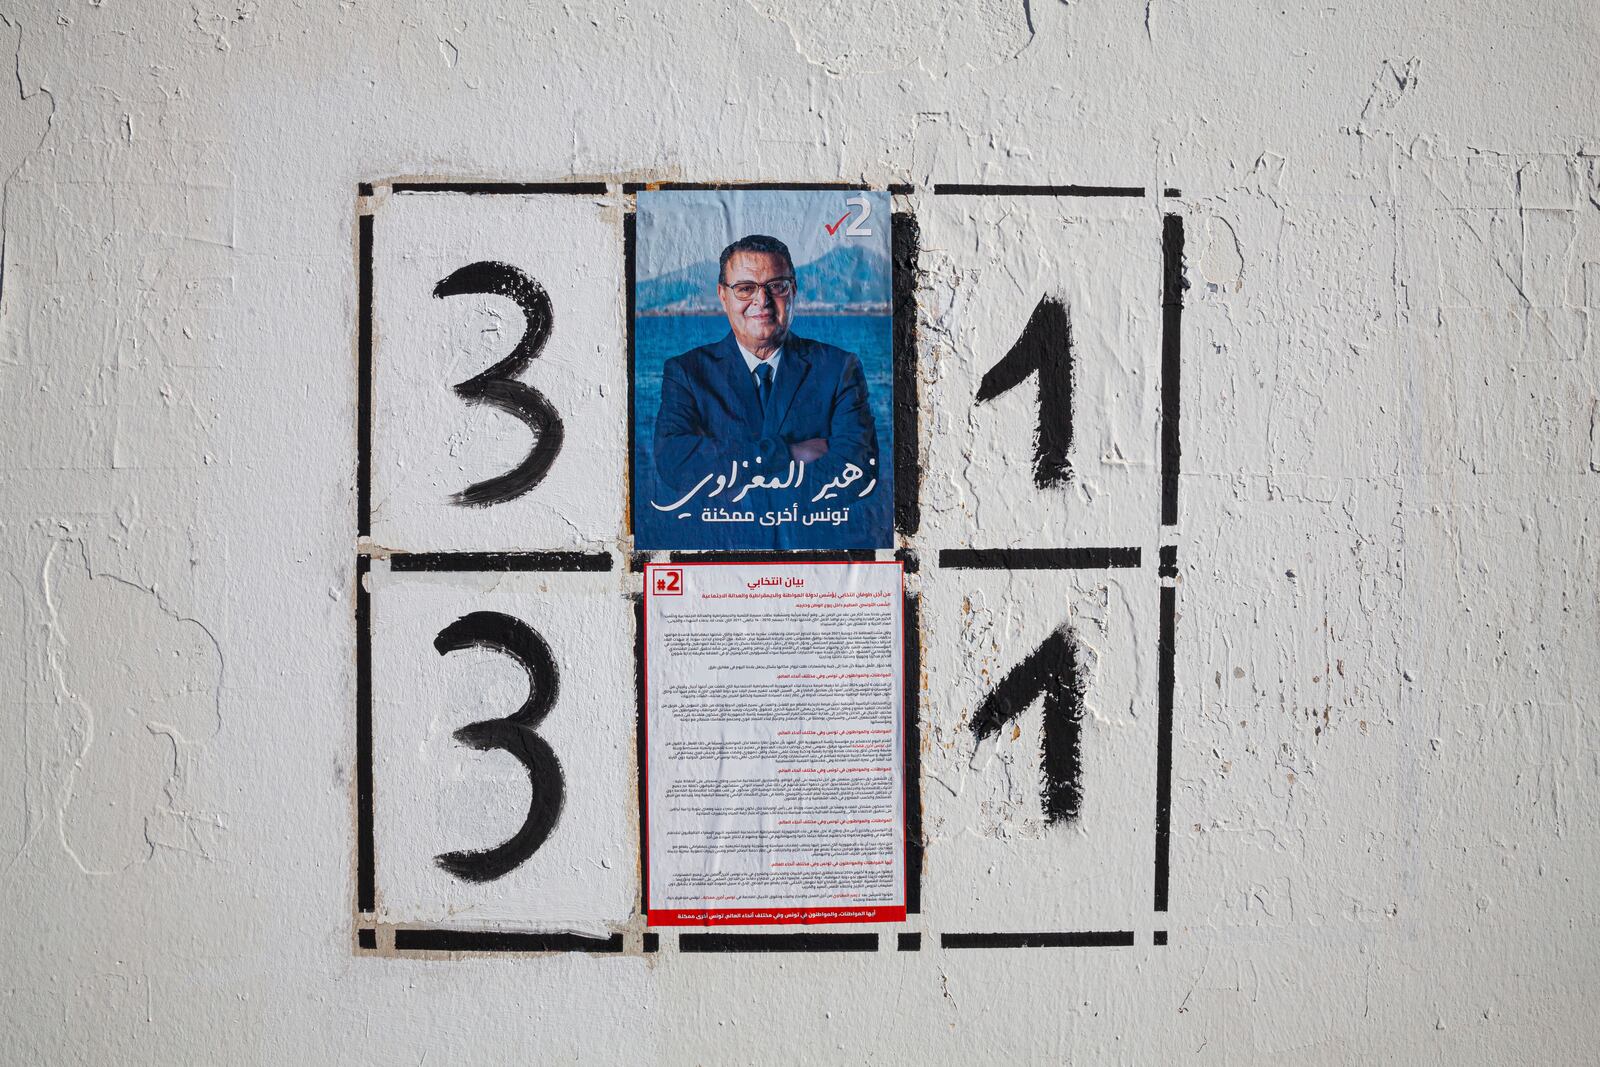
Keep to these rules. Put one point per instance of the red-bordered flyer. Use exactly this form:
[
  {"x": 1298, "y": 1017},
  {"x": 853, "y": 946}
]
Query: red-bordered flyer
[{"x": 774, "y": 743}]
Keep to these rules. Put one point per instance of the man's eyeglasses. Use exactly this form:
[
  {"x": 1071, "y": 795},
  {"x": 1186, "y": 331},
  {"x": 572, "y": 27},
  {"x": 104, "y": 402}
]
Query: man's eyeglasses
[{"x": 777, "y": 289}]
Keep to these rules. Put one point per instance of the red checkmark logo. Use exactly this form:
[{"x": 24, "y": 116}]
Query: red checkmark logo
[{"x": 835, "y": 227}]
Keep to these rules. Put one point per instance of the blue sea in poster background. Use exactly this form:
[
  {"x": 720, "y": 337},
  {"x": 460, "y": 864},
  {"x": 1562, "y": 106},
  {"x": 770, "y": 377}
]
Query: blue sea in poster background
[{"x": 657, "y": 338}]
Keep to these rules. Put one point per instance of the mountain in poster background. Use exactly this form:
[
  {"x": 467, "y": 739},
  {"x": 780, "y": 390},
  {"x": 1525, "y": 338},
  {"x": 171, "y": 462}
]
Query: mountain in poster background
[{"x": 850, "y": 278}]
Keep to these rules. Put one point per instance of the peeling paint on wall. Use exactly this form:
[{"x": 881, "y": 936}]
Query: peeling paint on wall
[
  {"x": 138, "y": 692},
  {"x": 1385, "y": 638}
]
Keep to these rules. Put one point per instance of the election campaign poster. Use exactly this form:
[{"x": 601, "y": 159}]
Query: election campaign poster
[
  {"x": 774, "y": 743},
  {"x": 763, "y": 384}
]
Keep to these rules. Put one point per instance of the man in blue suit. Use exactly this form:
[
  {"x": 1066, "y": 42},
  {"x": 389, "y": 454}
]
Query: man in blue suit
[{"x": 763, "y": 392}]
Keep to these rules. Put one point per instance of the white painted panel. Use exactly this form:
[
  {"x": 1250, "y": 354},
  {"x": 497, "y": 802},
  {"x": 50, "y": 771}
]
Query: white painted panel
[
  {"x": 989, "y": 261},
  {"x": 993, "y": 861},
  {"x": 435, "y": 795},
  {"x": 428, "y": 443}
]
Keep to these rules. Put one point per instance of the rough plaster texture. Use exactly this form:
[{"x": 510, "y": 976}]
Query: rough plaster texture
[{"x": 1384, "y": 832}]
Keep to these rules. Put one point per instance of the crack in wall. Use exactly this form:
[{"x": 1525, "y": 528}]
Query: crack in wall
[
  {"x": 844, "y": 38},
  {"x": 15, "y": 117}
]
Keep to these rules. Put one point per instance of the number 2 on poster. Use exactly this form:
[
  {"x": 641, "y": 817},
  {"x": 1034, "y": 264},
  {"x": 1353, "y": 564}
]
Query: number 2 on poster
[{"x": 857, "y": 227}]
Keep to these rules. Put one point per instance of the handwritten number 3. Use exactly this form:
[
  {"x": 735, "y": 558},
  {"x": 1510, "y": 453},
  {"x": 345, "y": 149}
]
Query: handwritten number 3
[
  {"x": 514, "y": 734},
  {"x": 498, "y": 386}
]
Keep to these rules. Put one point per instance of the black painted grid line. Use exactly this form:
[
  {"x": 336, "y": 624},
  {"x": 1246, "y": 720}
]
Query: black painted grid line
[
  {"x": 1169, "y": 561},
  {"x": 911, "y": 643},
  {"x": 630, "y": 264},
  {"x": 794, "y": 187},
  {"x": 955, "y": 189},
  {"x": 1172, "y": 286},
  {"x": 855, "y": 555},
  {"x": 640, "y": 753},
  {"x": 364, "y": 377},
  {"x": 909, "y": 942},
  {"x": 433, "y": 940},
  {"x": 797, "y": 942},
  {"x": 1041, "y": 939},
  {"x": 366, "y": 893},
  {"x": 1165, "y": 655},
  {"x": 446, "y": 940},
  {"x": 500, "y": 561},
  {"x": 1026, "y": 559},
  {"x": 905, "y": 243},
  {"x": 502, "y": 188},
  {"x": 367, "y": 937}
]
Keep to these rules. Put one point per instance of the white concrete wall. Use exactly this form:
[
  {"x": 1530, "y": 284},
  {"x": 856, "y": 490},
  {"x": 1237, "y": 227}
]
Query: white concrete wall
[{"x": 1383, "y": 800}]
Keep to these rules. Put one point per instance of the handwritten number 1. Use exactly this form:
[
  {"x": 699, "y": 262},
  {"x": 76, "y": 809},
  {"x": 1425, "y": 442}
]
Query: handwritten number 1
[
  {"x": 514, "y": 734},
  {"x": 498, "y": 385},
  {"x": 1051, "y": 671},
  {"x": 1046, "y": 347}
]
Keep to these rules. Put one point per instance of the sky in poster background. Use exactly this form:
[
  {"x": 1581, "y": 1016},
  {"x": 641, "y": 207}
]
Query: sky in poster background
[{"x": 843, "y": 299}]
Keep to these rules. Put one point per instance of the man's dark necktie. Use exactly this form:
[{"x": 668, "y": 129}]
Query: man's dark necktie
[{"x": 764, "y": 385}]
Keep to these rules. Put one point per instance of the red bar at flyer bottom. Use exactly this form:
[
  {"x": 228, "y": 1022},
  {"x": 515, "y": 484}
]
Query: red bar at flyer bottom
[{"x": 775, "y": 916}]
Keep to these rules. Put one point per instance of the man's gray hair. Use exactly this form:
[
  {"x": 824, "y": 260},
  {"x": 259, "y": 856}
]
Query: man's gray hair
[{"x": 754, "y": 242}]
